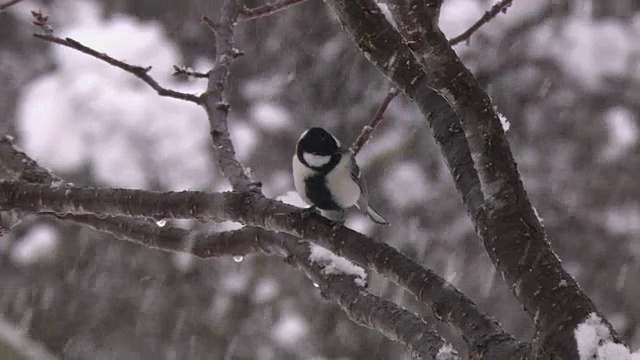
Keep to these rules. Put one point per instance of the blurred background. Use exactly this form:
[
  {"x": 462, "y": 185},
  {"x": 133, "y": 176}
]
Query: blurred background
[{"x": 565, "y": 73}]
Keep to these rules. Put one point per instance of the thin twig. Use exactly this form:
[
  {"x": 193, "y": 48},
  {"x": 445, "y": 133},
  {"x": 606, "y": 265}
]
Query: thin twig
[
  {"x": 188, "y": 72},
  {"x": 267, "y": 9},
  {"x": 8, "y": 4},
  {"x": 500, "y": 6},
  {"x": 140, "y": 72},
  {"x": 214, "y": 103},
  {"x": 365, "y": 135}
]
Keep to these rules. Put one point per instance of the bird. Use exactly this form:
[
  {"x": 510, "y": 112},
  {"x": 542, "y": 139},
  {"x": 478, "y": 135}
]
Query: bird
[{"x": 327, "y": 177}]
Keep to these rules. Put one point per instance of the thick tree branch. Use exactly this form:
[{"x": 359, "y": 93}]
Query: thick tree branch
[
  {"x": 203, "y": 245},
  {"x": 510, "y": 230},
  {"x": 213, "y": 102},
  {"x": 253, "y": 209},
  {"x": 362, "y": 307},
  {"x": 366, "y": 132},
  {"x": 140, "y": 72},
  {"x": 267, "y": 9},
  {"x": 500, "y": 6}
]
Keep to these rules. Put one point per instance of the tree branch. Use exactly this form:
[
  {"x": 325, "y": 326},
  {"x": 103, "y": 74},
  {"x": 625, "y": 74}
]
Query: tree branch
[
  {"x": 9, "y": 3},
  {"x": 188, "y": 72},
  {"x": 512, "y": 234},
  {"x": 138, "y": 71},
  {"x": 267, "y": 9},
  {"x": 213, "y": 102},
  {"x": 363, "y": 308},
  {"x": 16, "y": 165},
  {"x": 500, "y": 6},
  {"x": 366, "y": 132},
  {"x": 253, "y": 209}
]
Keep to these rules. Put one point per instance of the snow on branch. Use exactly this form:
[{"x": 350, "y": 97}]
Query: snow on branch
[
  {"x": 338, "y": 279},
  {"x": 594, "y": 342},
  {"x": 252, "y": 209}
]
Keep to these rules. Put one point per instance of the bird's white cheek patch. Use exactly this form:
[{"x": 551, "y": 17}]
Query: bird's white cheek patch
[{"x": 316, "y": 160}]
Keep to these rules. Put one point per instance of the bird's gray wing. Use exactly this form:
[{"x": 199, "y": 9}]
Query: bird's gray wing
[
  {"x": 363, "y": 200},
  {"x": 356, "y": 175}
]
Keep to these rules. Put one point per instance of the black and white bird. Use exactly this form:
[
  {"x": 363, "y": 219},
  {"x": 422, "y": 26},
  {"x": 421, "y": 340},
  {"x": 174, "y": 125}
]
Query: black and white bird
[{"x": 327, "y": 177}]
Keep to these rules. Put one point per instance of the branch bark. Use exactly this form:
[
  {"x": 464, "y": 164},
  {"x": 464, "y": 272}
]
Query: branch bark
[
  {"x": 140, "y": 72},
  {"x": 253, "y": 209},
  {"x": 488, "y": 180},
  {"x": 267, "y": 9},
  {"x": 213, "y": 102},
  {"x": 8, "y": 4},
  {"x": 362, "y": 307}
]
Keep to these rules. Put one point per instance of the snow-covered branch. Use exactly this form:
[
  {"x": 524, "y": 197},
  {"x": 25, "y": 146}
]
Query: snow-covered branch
[
  {"x": 252, "y": 209},
  {"x": 333, "y": 275}
]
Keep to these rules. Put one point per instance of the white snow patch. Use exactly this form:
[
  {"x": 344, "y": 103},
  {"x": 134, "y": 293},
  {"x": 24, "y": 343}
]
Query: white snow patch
[
  {"x": 289, "y": 330},
  {"x": 292, "y": 198},
  {"x": 447, "y": 352},
  {"x": 38, "y": 244},
  {"x": 594, "y": 342},
  {"x": 335, "y": 265},
  {"x": 503, "y": 120},
  {"x": 623, "y": 132},
  {"x": 406, "y": 185},
  {"x": 535, "y": 211},
  {"x": 271, "y": 117}
]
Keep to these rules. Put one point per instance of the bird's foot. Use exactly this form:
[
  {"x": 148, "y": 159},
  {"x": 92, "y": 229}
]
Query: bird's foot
[{"x": 309, "y": 211}]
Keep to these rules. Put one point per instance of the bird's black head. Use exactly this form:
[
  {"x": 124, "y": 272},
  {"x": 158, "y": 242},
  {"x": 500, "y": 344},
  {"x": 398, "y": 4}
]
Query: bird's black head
[{"x": 318, "y": 141}]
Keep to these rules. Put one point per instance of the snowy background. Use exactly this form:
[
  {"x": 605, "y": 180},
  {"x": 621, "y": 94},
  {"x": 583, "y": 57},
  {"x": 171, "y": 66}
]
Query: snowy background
[{"x": 565, "y": 73}]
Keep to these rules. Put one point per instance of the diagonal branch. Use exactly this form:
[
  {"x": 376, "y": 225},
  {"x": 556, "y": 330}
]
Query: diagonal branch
[
  {"x": 140, "y": 72},
  {"x": 366, "y": 132},
  {"x": 267, "y": 9},
  {"x": 500, "y": 6},
  {"x": 506, "y": 222},
  {"x": 9, "y": 3},
  {"x": 16, "y": 165},
  {"x": 365, "y": 309},
  {"x": 213, "y": 101}
]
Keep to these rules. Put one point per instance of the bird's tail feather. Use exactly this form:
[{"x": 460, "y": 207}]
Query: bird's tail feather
[{"x": 375, "y": 217}]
